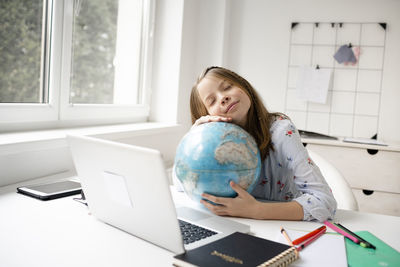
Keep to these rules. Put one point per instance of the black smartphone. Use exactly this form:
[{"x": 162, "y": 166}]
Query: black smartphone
[{"x": 51, "y": 190}]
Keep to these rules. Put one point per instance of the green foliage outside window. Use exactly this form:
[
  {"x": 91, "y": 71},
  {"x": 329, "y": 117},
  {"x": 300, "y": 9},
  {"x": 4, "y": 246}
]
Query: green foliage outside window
[
  {"x": 94, "y": 39},
  {"x": 20, "y": 51},
  {"x": 93, "y": 51}
]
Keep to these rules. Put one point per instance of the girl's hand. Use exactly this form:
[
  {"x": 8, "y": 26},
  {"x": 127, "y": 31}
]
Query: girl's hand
[
  {"x": 210, "y": 118},
  {"x": 244, "y": 205}
]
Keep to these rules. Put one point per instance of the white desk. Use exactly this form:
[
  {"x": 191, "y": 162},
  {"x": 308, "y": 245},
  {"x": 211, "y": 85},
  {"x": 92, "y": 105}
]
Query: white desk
[{"x": 62, "y": 233}]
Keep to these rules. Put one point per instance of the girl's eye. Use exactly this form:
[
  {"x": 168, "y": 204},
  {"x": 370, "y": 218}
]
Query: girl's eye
[
  {"x": 229, "y": 86},
  {"x": 210, "y": 102}
]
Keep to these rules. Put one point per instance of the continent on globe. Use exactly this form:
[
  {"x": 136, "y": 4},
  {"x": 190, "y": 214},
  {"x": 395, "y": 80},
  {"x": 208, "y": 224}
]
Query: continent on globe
[{"x": 211, "y": 155}]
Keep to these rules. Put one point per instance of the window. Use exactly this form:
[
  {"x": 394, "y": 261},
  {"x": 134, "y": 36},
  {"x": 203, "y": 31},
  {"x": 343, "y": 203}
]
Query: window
[
  {"x": 21, "y": 29},
  {"x": 74, "y": 62}
]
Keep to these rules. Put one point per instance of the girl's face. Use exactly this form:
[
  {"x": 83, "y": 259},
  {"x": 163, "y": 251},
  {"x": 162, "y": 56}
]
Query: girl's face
[{"x": 222, "y": 98}]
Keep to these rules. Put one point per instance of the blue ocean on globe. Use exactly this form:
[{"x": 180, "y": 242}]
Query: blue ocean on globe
[{"x": 212, "y": 154}]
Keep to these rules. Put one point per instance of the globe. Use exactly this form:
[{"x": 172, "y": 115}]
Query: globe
[{"x": 211, "y": 155}]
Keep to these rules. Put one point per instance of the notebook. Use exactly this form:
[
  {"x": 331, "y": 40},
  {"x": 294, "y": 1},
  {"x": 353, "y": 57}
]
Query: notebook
[
  {"x": 383, "y": 255},
  {"x": 238, "y": 249},
  {"x": 127, "y": 187}
]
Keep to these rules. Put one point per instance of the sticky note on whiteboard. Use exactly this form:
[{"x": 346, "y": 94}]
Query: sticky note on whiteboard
[{"x": 116, "y": 188}]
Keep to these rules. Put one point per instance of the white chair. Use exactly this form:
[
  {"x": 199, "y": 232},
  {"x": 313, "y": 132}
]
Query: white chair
[{"x": 340, "y": 188}]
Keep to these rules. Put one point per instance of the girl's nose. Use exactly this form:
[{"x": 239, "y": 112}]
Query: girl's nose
[{"x": 225, "y": 99}]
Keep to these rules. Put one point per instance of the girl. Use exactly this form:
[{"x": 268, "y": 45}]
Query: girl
[{"x": 288, "y": 176}]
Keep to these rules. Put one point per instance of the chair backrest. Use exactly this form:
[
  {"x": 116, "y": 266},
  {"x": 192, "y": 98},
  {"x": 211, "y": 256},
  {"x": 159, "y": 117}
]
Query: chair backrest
[{"x": 340, "y": 188}]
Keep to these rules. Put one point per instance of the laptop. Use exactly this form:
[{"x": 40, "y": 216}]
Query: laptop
[{"x": 127, "y": 187}]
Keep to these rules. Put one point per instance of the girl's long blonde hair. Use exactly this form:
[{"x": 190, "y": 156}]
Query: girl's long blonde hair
[{"x": 259, "y": 120}]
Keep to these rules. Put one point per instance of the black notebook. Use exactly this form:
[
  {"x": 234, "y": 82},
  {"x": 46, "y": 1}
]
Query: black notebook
[{"x": 238, "y": 249}]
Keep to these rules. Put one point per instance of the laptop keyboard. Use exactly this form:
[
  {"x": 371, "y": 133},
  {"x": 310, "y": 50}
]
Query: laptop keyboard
[{"x": 192, "y": 232}]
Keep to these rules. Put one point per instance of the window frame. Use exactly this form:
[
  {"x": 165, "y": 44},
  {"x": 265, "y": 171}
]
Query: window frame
[{"x": 56, "y": 67}]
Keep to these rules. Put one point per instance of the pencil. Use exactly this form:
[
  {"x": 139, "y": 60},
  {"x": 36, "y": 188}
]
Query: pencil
[
  {"x": 286, "y": 236},
  {"x": 311, "y": 239},
  {"x": 307, "y": 236},
  {"x": 340, "y": 231},
  {"x": 289, "y": 241},
  {"x": 362, "y": 240}
]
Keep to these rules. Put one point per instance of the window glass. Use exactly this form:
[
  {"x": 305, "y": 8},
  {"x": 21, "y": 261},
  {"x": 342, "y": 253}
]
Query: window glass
[
  {"x": 21, "y": 51},
  {"x": 105, "y": 52}
]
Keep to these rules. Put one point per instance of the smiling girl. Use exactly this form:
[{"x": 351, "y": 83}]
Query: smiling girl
[{"x": 291, "y": 186}]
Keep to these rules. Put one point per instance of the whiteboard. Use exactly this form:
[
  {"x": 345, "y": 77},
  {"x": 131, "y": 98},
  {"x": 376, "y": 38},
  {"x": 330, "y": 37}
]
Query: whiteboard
[{"x": 353, "y": 104}]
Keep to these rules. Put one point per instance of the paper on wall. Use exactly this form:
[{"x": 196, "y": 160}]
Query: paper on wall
[{"x": 313, "y": 84}]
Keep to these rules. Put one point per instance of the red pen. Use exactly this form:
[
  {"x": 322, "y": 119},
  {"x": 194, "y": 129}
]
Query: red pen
[
  {"x": 310, "y": 240},
  {"x": 309, "y": 235}
]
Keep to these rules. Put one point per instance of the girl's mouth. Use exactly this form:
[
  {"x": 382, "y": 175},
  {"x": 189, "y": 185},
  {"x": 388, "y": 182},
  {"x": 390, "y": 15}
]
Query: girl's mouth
[{"x": 231, "y": 106}]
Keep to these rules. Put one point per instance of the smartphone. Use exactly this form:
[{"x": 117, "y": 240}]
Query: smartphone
[{"x": 51, "y": 190}]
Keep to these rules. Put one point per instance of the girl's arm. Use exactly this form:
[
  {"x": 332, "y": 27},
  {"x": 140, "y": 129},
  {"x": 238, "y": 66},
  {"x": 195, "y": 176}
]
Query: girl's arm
[
  {"x": 245, "y": 205},
  {"x": 316, "y": 197}
]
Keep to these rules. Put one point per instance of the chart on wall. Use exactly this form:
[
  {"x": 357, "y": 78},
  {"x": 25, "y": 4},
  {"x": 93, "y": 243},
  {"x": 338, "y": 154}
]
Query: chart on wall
[{"x": 334, "y": 78}]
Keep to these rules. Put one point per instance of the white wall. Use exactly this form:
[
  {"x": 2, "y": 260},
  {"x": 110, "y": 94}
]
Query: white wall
[
  {"x": 259, "y": 46},
  {"x": 38, "y": 154},
  {"x": 187, "y": 43},
  {"x": 166, "y": 60}
]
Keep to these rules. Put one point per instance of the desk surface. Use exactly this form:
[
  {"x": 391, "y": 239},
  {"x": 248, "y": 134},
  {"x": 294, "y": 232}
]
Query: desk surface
[
  {"x": 394, "y": 147},
  {"x": 62, "y": 232}
]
